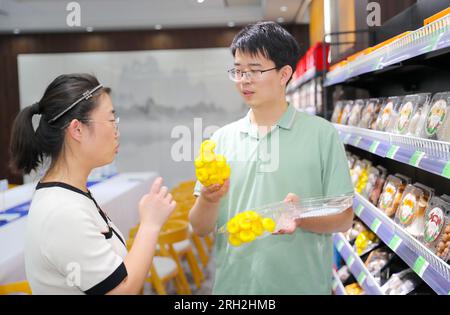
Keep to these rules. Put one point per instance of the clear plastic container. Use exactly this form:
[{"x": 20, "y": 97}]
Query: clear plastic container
[
  {"x": 250, "y": 225},
  {"x": 416, "y": 122},
  {"x": 376, "y": 192},
  {"x": 437, "y": 122},
  {"x": 374, "y": 173},
  {"x": 409, "y": 112},
  {"x": 388, "y": 113},
  {"x": 370, "y": 113},
  {"x": 436, "y": 234},
  {"x": 411, "y": 211},
  {"x": 337, "y": 112},
  {"x": 355, "y": 114},
  {"x": 346, "y": 112},
  {"x": 392, "y": 193}
]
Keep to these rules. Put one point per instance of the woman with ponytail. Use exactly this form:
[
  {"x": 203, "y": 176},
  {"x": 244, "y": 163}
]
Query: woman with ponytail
[{"x": 72, "y": 247}]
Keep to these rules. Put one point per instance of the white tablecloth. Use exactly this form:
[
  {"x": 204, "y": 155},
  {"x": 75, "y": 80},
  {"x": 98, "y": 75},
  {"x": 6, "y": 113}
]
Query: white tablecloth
[{"x": 117, "y": 196}]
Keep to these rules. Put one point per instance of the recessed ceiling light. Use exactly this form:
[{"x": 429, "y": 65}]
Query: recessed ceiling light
[
  {"x": 158, "y": 26},
  {"x": 16, "y": 31},
  {"x": 280, "y": 20},
  {"x": 200, "y": 1},
  {"x": 231, "y": 24},
  {"x": 283, "y": 8},
  {"x": 89, "y": 29}
]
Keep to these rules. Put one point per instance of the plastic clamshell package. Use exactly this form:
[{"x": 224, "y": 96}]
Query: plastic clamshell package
[
  {"x": 247, "y": 226},
  {"x": 388, "y": 113},
  {"x": 337, "y": 112},
  {"x": 370, "y": 113},
  {"x": 436, "y": 234},
  {"x": 437, "y": 123},
  {"x": 355, "y": 115},
  {"x": 411, "y": 211},
  {"x": 346, "y": 112},
  {"x": 392, "y": 194}
]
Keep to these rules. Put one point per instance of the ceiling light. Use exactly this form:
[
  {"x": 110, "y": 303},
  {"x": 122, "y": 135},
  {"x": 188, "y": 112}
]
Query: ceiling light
[
  {"x": 16, "y": 31},
  {"x": 231, "y": 24},
  {"x": 283, "y": 8},
  {"x": 200, "y": 1},
  {"x": 158, "y": 26},
  {"x": 89, "y": 29},
  {"x": 280, "y": 20}
]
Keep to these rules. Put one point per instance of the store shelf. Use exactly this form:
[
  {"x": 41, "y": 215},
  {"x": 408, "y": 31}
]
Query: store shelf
[
  {"x": 432, "y": 38},
  {"x": 433, "y": 270},
  {"x": 306, "y": 77},
  {"x": 429, "y": 155},
  {"x": 356, "y": 266},
  {"x": 338, "y": 287}
]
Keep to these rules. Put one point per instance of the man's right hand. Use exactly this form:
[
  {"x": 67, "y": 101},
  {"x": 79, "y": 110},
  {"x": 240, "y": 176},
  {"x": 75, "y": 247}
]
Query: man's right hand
[{"x": 214, "y": 193}]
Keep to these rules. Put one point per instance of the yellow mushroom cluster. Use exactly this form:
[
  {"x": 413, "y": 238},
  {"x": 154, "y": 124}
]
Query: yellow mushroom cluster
[
  {"x": 246, "y": 226},
  {"x": 211, "y": 168}
]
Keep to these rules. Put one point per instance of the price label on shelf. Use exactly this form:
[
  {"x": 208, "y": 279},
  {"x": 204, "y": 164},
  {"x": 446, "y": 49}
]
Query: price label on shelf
[
  {"x": 374, "y": 146},
  {"x": 416, "y": 158},
  {"x": 392, "y": 151},
  {"x": 375, "y": 225},
  {"x": 359, "y": 209},
  {"x": 394, "y": 243},
  {"x": 446, "y": 170},
  {"x": 420, "y": 265},
  {"x": 361, "y": 277},
  {"x": 347, "y": 137},
  {"x": 357, "y": 141},
  {"x": 350, "y": 260},
  {"x": 340, "y": 245}
]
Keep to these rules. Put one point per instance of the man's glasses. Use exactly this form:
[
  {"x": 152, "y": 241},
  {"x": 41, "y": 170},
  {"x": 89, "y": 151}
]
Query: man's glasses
[{"x": 236, "y": 75}]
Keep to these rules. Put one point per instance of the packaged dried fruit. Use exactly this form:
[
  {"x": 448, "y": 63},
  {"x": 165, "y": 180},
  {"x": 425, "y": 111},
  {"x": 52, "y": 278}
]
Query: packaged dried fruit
[
  {"x": 370, "y": 113},
  {"x": 411, "y": 211},
  {"x": 388, "y": 113},
  {"x": 247, "y": 226},
  {"x": 392, "y": 193},
  {"x": 355, "y": 115},
  {"x": 436, "y": 234},
  {"x": 437, "y": 123}
]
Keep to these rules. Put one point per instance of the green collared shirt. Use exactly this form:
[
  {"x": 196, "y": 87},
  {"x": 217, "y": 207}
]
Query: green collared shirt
[{"x": 302, "y": 154}]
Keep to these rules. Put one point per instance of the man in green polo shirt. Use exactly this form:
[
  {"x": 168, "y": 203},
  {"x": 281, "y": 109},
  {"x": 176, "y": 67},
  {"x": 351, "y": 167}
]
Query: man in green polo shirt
[{"x": 275, "y": 153}]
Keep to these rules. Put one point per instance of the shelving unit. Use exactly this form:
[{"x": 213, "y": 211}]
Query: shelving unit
[
  {"x": 429, "y": 155},
  {"x": 432, "y": 38},
  {"x": 338, "y": 287},
  {"x": 356, "y": 266},
  {"x": 433, "y": 270}
]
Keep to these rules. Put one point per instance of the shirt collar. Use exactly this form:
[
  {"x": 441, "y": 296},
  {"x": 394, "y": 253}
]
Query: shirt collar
[{"x": 286, "y": 121}]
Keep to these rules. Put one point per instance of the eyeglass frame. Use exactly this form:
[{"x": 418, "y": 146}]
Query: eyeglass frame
[
  {"x": 245, "y": 73},
  {"x": 116, "y": 122}
]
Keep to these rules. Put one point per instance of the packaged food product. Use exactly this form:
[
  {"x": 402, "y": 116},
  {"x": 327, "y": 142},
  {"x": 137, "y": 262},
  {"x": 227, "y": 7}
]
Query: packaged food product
[
  {"x": 365, "y": 242},
  {"x": 337, "y": 112},
  {"x": 388, "y": 113},
  {"x": 413, "y": 126},
  {"x": 351, "y": 160},
  {"x": 211, "y": 168},
  {"x": 370, "y": 113},
  {"x": 354, "y": 289},
  {"x": 374, "y": 173},
  {"x": 401, "y": 283},
  {"x": 436, "y": 234},
  {"x": 249, "y": 225},
  {"x": 355, "y": 115},
  {"x": 437, "y": 123},
  {"x": 376, "y": 260},
  {"x": 358, "y": 170},
  {"x": 346, "y": 112},
  {"x": 392, "y": 193},
  {"x": 411, "y": 211},
  {"x": 376, "y": 192}
]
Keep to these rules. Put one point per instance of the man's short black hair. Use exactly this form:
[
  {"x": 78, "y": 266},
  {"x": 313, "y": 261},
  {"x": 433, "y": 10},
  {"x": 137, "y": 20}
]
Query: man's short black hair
[{"x": 271, "y": 41}]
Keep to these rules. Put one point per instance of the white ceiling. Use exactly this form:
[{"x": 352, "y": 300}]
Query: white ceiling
[{"x": 101, "y": 15}]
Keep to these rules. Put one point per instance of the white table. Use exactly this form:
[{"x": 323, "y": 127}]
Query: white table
[{"x": 117, "y": 196}]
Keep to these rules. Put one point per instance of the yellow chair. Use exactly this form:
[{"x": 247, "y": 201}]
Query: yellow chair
[
  {"x": 16, "y": 287},
  {"x": 162, "y": 270},
  {"x": 174, "y": 241}
]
